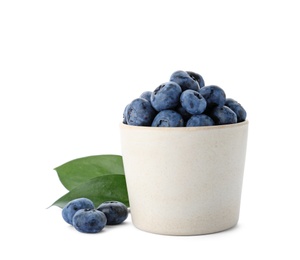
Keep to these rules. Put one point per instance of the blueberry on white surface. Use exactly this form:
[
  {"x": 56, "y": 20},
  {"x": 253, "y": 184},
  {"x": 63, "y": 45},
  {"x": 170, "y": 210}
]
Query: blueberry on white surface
[
  {"x": 73, "y": 206},
  {"x": 116, "y": 212},
  {"x": 89, "y": 220}
]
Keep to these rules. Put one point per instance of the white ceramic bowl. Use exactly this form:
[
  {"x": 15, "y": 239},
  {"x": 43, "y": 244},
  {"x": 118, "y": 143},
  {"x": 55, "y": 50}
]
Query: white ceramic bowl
[{"x": 184, "y": 180}]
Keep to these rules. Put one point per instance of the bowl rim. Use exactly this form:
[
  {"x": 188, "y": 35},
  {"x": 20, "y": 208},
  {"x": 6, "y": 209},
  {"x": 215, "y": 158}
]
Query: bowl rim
[{"x": 184, "y": 128}]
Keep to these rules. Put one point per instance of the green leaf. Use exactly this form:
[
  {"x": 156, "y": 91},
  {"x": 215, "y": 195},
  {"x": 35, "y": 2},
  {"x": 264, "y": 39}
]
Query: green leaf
[
  {"x": 78, "y": 171},
  {"x": 99, "y": 189}
]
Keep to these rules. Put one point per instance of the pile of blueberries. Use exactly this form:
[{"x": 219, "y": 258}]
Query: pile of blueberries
[
  {"x": 84, "y": 217},
  {"x": 184, "y": 101}
]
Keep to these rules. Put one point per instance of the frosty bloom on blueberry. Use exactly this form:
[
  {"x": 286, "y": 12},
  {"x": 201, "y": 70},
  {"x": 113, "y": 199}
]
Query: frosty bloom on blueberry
[
  {"x": 139, "y": 112},
  {"x": 223, "y": 115},
  {"x": 166, "y": 96},
  {"x": 200, "y": 120},
  {"x": 73, "y": 206},
  {"x": 236, "y": 108},
  {"x": 168, "y": 118},
  {"x": 83, "y": 216},
  {"x": 214, "y": 96},
  {"x": 146, "y": 95},
  {"x": 184, "y": 100},
  {"x": 89, "y": 220},
  {"x": 193, "y": 102},
  {"x": 184, "y": 80}
]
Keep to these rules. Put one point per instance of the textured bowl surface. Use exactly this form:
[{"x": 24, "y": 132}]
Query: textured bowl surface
[{"x": 184, "y": 180}]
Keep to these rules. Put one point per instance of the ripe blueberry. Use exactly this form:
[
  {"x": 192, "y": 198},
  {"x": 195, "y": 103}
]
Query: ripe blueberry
[
  {"x": 184, "y": 80},
  {"x": 200, "y": 120},
  {"x": 193, "y": 102},
  {"x": 116, "y": 212},
  {"x": 73, "y": 206},
  {"x": 146, "y": 95},
  {"x": 125, "y": 115},
  {"x": 197, "y": 77},
  {"x": 236, "y": 108},
  {"x": 214, "y": 96},
  {"x": 223, "y": 115},
  {"x": 166, "y": 96},
  {"x": 89, "y": 220},
  {"x": 139, "y": 112},
  {"x": 168, "y": 118}
]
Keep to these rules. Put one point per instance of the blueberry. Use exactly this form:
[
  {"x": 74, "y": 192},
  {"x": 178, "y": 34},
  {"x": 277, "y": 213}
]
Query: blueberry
[
  {"x": 146, "y": 95},
  {"x": 185, "y": 115},
  {"x": 125, "y": 114},
  {"x": 200, "y": 120},
  {"x": 166, "y": 96},
  {"x": 116, "y": 212},
  {"x": 193, "y": 102},
  {"x": 140, "y": 112},
  {"x": 236, "y": 108},
  {"x": 89, "y": 220},
  {"x": 184, "y": 80},
  {"x": 197, "y": 77},
  {"x": 73, "y": 206},
  {"x": 223, "y": 115},
  {"x": 214, "y": 96},
  {"x": 168, "y": 118}
]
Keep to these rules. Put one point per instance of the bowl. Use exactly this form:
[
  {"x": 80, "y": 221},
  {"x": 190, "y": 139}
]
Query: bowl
[{"x": 184, "y": 180}]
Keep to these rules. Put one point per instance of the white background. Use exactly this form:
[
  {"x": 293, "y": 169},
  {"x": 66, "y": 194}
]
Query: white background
[{"x": 67, "y": 70}]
